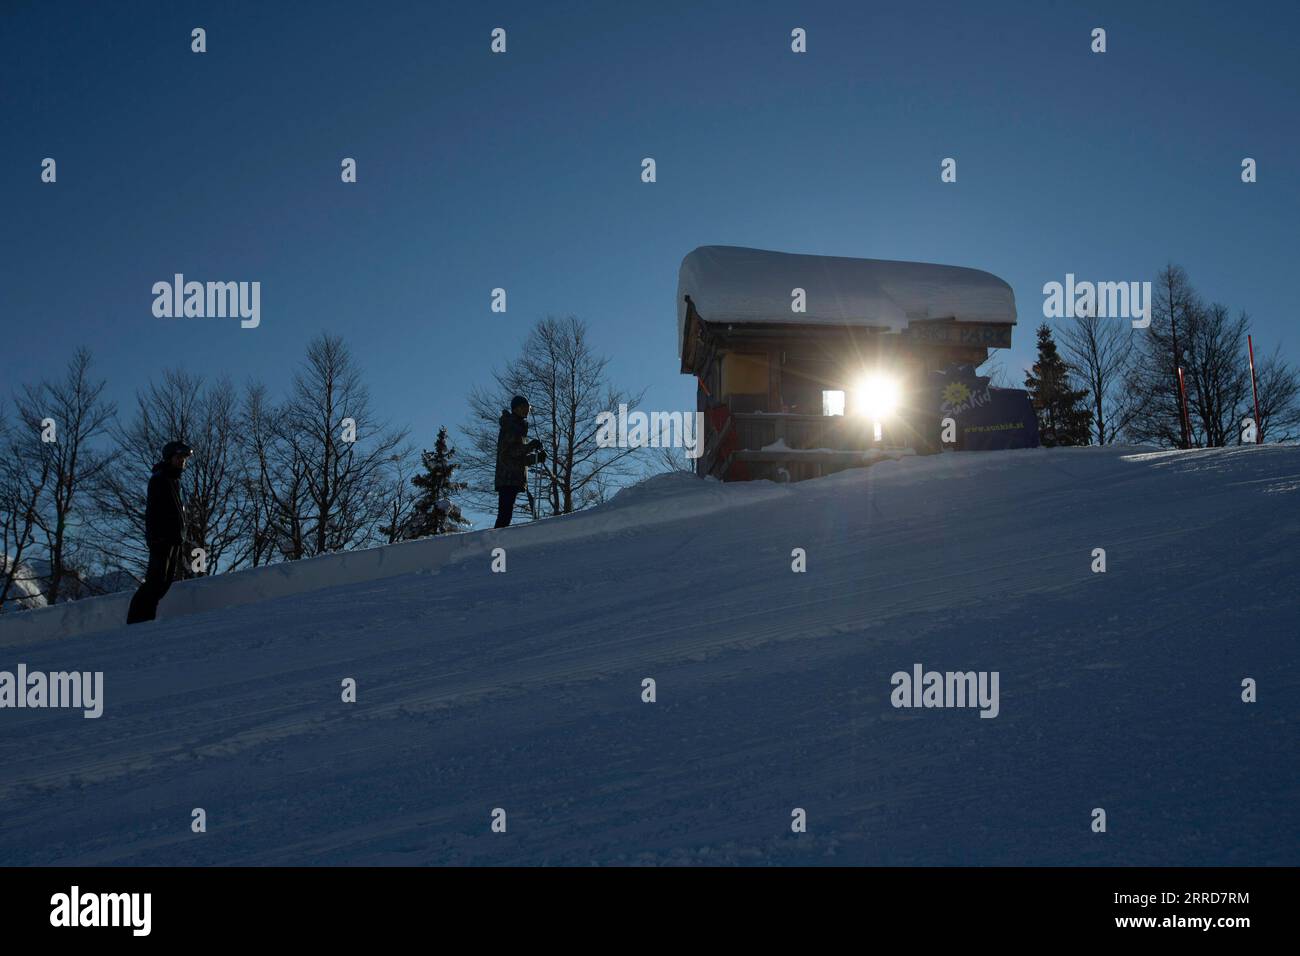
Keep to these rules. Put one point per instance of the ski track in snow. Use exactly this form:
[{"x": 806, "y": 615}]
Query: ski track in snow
[{"x": 522, "y": 690}]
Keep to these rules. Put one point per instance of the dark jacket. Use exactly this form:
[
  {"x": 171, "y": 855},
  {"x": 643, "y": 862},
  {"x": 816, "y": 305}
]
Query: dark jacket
[
  {"x": 513, "y": 457},
  {"x": 164, "y": 512}
]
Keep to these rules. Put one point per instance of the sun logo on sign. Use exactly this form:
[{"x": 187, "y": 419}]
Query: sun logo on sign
[{"x": 955, "y": 394}]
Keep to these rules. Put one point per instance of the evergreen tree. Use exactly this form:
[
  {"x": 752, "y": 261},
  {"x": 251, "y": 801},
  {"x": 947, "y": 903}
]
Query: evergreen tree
[
  {"x": 437, "y": 484},
  {"x": 1063, "y": 414}
]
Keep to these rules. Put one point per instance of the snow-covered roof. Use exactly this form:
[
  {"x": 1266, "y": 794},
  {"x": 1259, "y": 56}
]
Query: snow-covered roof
[{"x": 735, "y": 284}]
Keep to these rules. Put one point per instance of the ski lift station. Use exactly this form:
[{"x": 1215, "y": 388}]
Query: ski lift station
[{"x": 806, "y": 365}]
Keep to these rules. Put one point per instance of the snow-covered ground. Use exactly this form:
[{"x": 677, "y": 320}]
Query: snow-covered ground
[
  {"x": 522, "y": 690},
  {"x": 25, "y": 589}
]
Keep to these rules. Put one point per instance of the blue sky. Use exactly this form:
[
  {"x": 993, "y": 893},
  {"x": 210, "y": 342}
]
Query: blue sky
[{"x": 523, "y": 170}]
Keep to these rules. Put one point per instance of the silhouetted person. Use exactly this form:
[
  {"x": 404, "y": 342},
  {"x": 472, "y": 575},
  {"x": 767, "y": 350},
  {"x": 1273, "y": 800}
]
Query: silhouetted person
[
  {"x": 514, "y": 454},
  {"x": 164, "y": 531}
]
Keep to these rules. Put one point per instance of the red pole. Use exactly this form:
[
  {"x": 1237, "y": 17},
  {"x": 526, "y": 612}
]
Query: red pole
[
  {"x": 1259, "y": 436},
  {"x": 1187, "y": 419},
  {"x": 1180, "y": 393}
]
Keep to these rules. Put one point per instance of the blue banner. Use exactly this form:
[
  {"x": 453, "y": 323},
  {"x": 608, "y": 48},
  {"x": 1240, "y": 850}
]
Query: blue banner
[{"x": 988, "y": 418}]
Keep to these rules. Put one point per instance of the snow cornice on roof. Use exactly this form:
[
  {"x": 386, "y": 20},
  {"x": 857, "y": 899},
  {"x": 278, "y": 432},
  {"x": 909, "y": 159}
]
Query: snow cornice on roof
[{"x": 737, "y": 285}]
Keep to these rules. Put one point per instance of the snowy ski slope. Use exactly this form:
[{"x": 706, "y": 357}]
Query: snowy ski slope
[{"x": 522, "y": 690}]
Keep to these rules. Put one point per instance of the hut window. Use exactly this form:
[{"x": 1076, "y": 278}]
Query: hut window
[
  {"x": 744, "y": 374},
  {"x": 832, "y": 403}
]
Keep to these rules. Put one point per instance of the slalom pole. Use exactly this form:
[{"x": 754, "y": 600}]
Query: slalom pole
[
  {"x": 541, "y": 470},
  {"x": 532, "y": 502},
  {"x": 1254, "y": 395},
  {"x": 1187, "y": 418}
]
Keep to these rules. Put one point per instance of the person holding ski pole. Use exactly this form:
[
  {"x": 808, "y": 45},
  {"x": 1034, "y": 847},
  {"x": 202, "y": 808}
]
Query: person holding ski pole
[
  {"x": 164, "y": 531},
  {"x": 514, "y": 454}
]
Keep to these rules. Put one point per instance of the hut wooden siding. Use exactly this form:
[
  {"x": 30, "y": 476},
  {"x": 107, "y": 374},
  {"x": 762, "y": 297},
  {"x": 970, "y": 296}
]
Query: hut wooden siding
[{"x": 770, "y": 380}]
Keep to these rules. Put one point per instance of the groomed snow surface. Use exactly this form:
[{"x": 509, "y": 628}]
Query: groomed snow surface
[{"x": 522, "y": 690}]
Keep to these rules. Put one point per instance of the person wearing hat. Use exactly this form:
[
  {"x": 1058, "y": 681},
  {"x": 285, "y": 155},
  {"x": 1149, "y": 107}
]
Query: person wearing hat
[
  {"x": 514, "y": 454},
  {"x": 164, "y": 531}
]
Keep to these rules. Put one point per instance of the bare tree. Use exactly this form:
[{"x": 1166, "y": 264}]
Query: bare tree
[
  {"x": 342, "y": 455},
  {"x": 1100, "y": 351},
  {"x": 1152, "y": 381},
  {"x": 668, "y": 459},
  {"x": 206, "y": 415},
  {"x": 1278, "y": 389},
  {"x": 1218, "y": 376},
  {"x": 566, "y": 384},
  {"x": 399, "y": 509},
  {"x": 73, "y": 412},
  {"x": 274, "y": 482},
  {"x": 24, "y": 474},
  {"x": 1211, "y": 350}
]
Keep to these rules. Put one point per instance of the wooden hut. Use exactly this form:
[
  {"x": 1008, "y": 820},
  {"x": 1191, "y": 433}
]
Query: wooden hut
[{"x": 806, "y": 365}]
